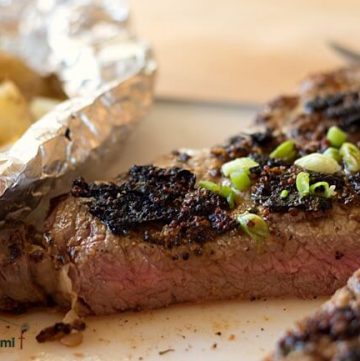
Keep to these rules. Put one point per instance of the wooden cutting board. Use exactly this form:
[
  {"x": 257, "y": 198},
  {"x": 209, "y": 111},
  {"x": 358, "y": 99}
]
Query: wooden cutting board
[{"x": 242, "y": 51}]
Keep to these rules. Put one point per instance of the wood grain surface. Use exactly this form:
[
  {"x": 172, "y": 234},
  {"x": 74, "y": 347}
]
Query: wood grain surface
[{"x": 242, "y": 50}]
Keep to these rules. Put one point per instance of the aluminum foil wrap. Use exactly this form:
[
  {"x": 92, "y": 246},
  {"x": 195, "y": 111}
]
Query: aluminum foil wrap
[{"x": 106, "y": 72}]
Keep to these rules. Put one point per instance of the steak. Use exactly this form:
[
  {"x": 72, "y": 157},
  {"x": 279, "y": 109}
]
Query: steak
[
  {"x": 154, "y": 236},
  {"x": 20, "y": 257},
  {"x": 186, "y": 247},
  {"x": 331, "y": 334}
]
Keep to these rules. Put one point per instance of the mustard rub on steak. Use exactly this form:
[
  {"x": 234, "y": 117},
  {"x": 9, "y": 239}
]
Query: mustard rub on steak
[{"x": 268, "y": 214}]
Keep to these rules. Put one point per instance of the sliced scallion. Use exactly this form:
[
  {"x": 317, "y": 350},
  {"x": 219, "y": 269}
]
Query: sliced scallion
[
  {"x": 238, "y": 164},
  {"x": 253, "y": 225},
  {"x": 228, "y": 193},
  {"x": 285, "y": 151},
  {"x": 241, "y": 180},
  {"x": 303, "y": 183},
  {"x": 317, "y": 162},
  {"x": 333, "y": 153},
  {"x": 336, "y": 136},
  {"x": 231, "y": 199},
  {"x": 351, "y": 156},
  {"x": 211, "y": 186},
  {"x": 222, "y": 190},
  {"x": 322, "y": 189},
  {"x": 284, "y": 193}
]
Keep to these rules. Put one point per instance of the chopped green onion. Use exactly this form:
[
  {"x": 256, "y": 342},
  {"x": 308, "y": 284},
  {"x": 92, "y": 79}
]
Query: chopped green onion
[
  {"x": 223, "y": 190},
  {"x": 231, "y": 199},
  {"x": 285, "y": 151},
  {"x": 317, "y": 162},
  {"x": 253, "y": 225},
  {"x": 351, "y": 156},
  {"x": 240, "y": 180},
  {"x": 228, "y": 193},
  {"x": 211, "y": 186},
  {"x": 336, "y": 137},
  {"x": 303, "y": 183},
  {"x": 322, "y": 189},
  {"x": 237, "y": 165},
  {"x": 284, "y": 193},
  {"x": 333, "y": 153}
]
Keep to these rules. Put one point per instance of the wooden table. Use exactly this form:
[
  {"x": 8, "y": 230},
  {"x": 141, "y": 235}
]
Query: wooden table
[{"x": 242, "y": 51}]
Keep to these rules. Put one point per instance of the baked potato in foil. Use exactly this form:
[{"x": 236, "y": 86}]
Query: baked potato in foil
[{"x": 69, "y": 96}]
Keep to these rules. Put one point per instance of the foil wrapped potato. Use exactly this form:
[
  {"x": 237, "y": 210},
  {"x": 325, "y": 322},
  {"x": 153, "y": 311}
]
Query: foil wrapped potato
[
  {"x": 25, "y": 97},
  {"x": 30, "y": 83},
  {"x": 15, "y": 116}
]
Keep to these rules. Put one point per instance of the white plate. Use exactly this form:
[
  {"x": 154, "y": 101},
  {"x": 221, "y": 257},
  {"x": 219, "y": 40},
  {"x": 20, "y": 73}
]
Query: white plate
[{"x": 234, "y": 330}]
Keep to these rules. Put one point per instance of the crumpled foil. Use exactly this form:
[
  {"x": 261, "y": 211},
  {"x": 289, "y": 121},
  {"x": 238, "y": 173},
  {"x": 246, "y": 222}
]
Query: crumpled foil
[{"x": 108, "y": 75}]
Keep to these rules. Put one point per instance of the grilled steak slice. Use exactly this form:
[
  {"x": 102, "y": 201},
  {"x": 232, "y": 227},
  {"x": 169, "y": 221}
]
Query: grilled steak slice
[
  {"x": 331, "y": 334},
  {"x": 153, "y": 237}
]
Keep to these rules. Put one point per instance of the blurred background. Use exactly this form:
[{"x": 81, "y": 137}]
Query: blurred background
[{"x": 242, "y": 50}]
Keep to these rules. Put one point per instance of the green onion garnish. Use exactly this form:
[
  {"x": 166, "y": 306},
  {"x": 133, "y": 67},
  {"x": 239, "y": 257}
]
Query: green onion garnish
[
  {"x": 336, "y": 136},
  {"x": 303, "y": 183},
  {"x": 240, "y": 180},
  {"x": 211, "y": 186},
  {"x": 222, "y": 190},
  {"x": 231, "y": 199},
  {"x": 253, "y": 225},
  {"x": 333, "y": 153},
  {"x": 322, "y": 189},
  {"x": 351, "y": 156},
  {"x": 237, "y": 165},
  {"x": 284, "y": 193},
  {"x": 317, "y": 162},
  {"x": 228, "y": 193},
  {"x": 285, "y": 151}
]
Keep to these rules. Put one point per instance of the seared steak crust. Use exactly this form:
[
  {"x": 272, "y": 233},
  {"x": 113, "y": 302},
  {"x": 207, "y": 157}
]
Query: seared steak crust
[
  {"x": 164, "y": 200},
  {"x": 324, "y": 99},
  {"x": 331, "y": 334}
]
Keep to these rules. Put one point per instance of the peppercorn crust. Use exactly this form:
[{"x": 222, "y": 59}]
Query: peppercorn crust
[{"x": 331, "y": 334}]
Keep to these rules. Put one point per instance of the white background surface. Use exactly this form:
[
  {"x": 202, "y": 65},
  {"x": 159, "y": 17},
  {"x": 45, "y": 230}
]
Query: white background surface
[{"x": 248, "y": 329}]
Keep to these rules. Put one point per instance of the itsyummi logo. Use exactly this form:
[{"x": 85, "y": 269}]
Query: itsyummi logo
[
  {"x": 7, "y": 342},
  {"x": 16, "y": 341}
]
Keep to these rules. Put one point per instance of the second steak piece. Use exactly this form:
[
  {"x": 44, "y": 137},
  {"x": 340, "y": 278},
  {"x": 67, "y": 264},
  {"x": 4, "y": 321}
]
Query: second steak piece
[{"x": 331, "y": 334}]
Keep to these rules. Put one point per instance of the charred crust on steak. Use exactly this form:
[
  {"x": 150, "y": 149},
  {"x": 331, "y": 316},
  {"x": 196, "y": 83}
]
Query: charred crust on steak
[
  {"x": 165, "y": 199},
  {"x": 338, "y": 324},
  {"x": 168, "y": 208},
  {"x": 343, "y": 107},
  {"x": 272, "y": 181},
  {"x": 243, "y": 144}
]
